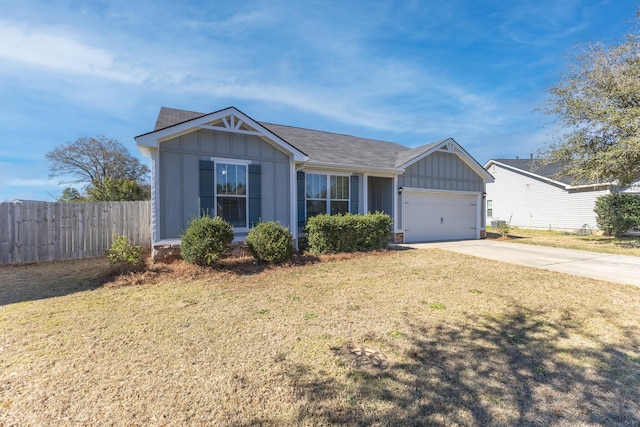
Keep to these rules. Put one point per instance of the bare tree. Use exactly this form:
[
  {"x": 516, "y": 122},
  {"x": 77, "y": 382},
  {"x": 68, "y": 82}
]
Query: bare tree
[{"x": 95, "y": 159}]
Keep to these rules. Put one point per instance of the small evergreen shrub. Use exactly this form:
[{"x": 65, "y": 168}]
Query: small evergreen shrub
[
  {"x": 206, "y": 240},
  {"x": 270, "y": 242},
  {"x": 617, "y": 213},
  {"x": 348, "y": 232},
  {"x": 124, "y": 253}
]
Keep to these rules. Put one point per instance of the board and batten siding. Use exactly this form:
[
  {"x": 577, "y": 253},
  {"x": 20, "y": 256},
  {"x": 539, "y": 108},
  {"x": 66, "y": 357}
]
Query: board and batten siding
[
  {"x": 179, "y": 175},
  {"x": 439, "y": 171},
  {"x": 531, "y": 203},
  {"x": 43, "y": 231}
]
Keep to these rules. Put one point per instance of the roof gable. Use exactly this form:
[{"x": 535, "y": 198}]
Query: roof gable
[
  {"x": 448, "y": 145},
  {"x": 172, "y": 123},
  {"x": 547, "y": 172}
]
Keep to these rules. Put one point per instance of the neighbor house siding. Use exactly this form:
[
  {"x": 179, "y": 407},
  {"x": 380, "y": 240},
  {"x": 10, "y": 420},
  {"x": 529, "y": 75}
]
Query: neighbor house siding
[
  {"x": 532, "y": 203},
  {"x": 441, "y": 171},
  {"x": 179, "y": 175}
]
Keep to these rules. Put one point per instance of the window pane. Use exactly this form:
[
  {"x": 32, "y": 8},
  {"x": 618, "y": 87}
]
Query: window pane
[
  {"x": 340, "y": 187},
  {"x": 231, "y": 179},
  {"x": 221, "y": 178},
  {"x": 339, "y": 207},
  {"x": 241, "y": 180},
  {"x": 316, "y": 186},
  {"x": 233, "y": 210},
  {"x": 316, "y": 207}
]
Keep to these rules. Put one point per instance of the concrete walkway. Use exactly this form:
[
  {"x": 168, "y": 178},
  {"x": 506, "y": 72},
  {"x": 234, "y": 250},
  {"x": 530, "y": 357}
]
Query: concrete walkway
[{"x": 613, "y": 268}]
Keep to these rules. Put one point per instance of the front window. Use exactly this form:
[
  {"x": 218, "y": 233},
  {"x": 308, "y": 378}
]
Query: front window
[
  {"x": 321, "y": 201},
  {"x": 231, "y": 193}
]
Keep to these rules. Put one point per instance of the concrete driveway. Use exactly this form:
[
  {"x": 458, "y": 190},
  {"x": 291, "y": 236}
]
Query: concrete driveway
[{"x": 613, "y": 268}]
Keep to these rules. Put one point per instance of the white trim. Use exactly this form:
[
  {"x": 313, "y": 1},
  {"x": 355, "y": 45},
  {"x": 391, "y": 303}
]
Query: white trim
[
  {"x": 155, "y": 196},
  {"x": 455, "y": 149},
  {"x": 430, "y": 190},
  {"x": 478, "y": 215},
  {"x": 394, "y": 205},
  {"x": 352, "y": 168},
  {"x": 327, "y": 172},
  {"x": 230, "y": 161},
  {"x": 152, "y": 139},
  {"x": 293, "y": 202},
  {"x": 230, "y": 130}
]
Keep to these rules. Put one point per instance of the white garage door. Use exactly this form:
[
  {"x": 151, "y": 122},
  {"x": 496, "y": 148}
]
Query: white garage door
[{"x": 439, "y": 216}]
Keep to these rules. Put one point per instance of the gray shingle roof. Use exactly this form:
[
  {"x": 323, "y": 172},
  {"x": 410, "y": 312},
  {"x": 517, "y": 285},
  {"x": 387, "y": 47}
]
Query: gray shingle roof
[
  {"x": 171, "y": 116},
  {"x": 322, "y": 147},
  {"x": 535, "y": 166},
  {"x": 327, "y": 147}
]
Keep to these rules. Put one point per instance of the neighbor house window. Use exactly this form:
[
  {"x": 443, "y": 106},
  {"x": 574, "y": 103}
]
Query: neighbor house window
[
  {"x": 231, "y": 193},
  {"x": 489, "y": 207},
  {"x": 327, "y": 194}
]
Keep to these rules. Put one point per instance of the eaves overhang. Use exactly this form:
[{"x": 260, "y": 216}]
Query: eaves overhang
[
  {"x": 351, "y": 168},
  {"x": 231, "y": 120},
  {"x": 450, "y": 146}
]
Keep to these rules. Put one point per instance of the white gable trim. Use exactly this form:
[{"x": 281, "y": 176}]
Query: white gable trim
[
  {"x": 551, "y": 181},
  {"x": 232, "y": 119},
  {"x": 450, "y": 146}
]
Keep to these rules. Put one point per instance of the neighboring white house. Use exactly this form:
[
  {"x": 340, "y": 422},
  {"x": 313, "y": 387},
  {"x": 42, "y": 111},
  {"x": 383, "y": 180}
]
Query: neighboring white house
[{"x": 525, "y": 194}]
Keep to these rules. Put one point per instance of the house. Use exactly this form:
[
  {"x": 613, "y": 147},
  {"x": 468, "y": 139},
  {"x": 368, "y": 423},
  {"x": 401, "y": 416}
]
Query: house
[
  {"x": 528, "y": 194},
  {"x": 228, "y": 164}
]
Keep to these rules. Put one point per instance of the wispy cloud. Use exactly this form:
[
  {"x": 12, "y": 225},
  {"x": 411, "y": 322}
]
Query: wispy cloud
[{"x": 55, "y": 50}]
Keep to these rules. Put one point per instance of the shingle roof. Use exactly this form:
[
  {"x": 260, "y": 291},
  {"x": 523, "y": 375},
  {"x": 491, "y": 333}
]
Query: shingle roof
[
  {"x": 171, "y": 116},
  {"x": 535, "y": 166},
  {"x": 327, "y": 147},
  {"x": 320, "y": 146}
]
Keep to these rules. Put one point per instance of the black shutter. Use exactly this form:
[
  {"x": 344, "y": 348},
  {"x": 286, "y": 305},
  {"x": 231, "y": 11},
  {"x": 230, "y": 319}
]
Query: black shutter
[
  {"x": 255, "y": 195},
  {"x": 207, "y": 188},
  {"x": 355, "y": 193},
  {"x": 301, "y": 200}
]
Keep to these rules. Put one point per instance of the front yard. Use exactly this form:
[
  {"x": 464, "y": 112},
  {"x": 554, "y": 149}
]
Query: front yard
[{"x": 409, "y": 337}]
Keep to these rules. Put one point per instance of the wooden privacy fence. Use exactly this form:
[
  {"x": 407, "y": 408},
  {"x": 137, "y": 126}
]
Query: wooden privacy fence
[{"x": 42, "y": 231}]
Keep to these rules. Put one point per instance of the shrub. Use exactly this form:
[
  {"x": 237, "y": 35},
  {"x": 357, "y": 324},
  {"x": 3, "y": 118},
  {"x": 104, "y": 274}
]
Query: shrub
[
  {"x": 124, "y": 253},
  {"x": 206, "y": 240},
  {"x": 270, "y": 242},
  {"x": 503, "y": 228},
  {"x": 348, "y": 233},
  {"x": 617, "y": 213}
]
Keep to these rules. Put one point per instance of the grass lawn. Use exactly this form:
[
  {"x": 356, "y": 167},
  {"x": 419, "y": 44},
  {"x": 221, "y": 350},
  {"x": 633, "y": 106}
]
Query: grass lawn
[
  {"x": 591, "y": 242},
  {"x": 413, "y": 337}
]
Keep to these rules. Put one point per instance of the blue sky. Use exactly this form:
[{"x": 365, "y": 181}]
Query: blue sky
[{"x": 412, "y": 72}]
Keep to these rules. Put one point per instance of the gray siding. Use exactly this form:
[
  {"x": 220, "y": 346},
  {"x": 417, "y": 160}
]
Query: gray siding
[
  {"x": 441, "y": 171},
  {"x": 179, "y": 169}
]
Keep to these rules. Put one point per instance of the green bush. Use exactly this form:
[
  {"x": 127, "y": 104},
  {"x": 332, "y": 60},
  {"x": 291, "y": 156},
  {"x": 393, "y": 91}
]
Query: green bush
[
  {"x": 206, "y": 240},
  {"x": 617, "y": 213},
  {"x": 270, "y": 242},
  {"x": 348, "y": 233},
  {"x": 124, "y": 253}
]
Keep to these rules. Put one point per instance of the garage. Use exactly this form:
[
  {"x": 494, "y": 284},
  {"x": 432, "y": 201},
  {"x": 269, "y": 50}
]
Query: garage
[{"x": 433, "y": 216}]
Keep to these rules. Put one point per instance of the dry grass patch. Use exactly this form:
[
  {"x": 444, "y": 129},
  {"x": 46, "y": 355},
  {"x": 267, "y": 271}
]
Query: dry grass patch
[
  {"x": 393, "y": 338},
  {"x": 596, "y": 242}
]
